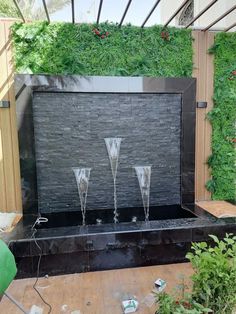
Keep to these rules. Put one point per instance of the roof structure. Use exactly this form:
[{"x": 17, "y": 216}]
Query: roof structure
[{"x": 74, "y": 5}]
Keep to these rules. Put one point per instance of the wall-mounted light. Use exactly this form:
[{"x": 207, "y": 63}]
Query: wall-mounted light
[
  {"x": 201, "y": 104},
  {"x": 4, "y": 104}
]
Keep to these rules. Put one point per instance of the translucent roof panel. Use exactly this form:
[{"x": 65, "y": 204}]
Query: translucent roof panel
[
  {"x": 32, "y": 10},
  {"x": 155, "y": 18},
  {"x": 59, "y": 10},
  {"x": 138, "y": 12},
  {"x": 220, "y": 7},
  {"x": 86, "y": 11},
  {"x": 167, "y": 8},
  {"x": 113, "y": 10}
]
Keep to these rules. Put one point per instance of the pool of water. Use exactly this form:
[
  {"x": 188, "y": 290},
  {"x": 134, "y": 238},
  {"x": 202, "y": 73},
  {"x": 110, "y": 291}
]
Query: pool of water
[{"x": 105, "y": 216}]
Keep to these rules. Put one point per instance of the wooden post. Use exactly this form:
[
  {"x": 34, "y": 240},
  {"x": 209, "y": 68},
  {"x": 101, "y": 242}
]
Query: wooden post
[
  {"x": 204, "y": 72},
  {"x": 10, "y": 187}
]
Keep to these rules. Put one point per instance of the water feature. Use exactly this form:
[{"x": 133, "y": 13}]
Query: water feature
[
  {"x": 116, "y": 106},
  {"x": 113, "y": 149},
  {"x": 144, "y": 179},
  {"x": 82, "y": 176}
]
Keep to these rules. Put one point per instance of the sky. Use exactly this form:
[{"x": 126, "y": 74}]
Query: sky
[{"x": 112, "y": 10}]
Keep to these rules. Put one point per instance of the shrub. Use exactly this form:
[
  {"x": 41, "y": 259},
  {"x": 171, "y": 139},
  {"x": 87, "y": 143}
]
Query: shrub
[
  {"x": 214, "y": 280},
  {"x": 168, "y": 305},
  {"x": 65, "y": 48}
]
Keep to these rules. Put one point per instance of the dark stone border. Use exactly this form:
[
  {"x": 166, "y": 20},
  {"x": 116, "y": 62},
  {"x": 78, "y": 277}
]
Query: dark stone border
[
  {"x": 27, "y": 84},
  {"x": 81, "y": 249}
]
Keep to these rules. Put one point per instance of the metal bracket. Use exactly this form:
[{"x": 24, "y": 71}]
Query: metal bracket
[
  {"x": 111, "y": 245},
  {"x": 4, "y": 104},
  {"x": 89, "y": 244},
  {"x": 201, "y": 104}
]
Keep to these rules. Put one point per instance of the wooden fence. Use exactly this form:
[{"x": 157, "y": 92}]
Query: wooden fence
[
  {"x": 10, "y": 187},
  {"x": 204, "y": 72}
]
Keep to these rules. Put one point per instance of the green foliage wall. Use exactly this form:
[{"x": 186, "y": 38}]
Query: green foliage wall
[
  {"x": 223, "y": 119},
  {"x": 63, "y": 48}
]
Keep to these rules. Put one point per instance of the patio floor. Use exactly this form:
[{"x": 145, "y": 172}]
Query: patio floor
[{"x": 95, "y": 292}]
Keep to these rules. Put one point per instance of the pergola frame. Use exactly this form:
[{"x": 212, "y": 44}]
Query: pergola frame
[
  {"x": 220, "y": 18},
  {"x": 176, "y": 12},
  {"x": 19, "y": 10},
  {"x": 99, "y": 11},
  {"x": 125, "y": 12},
  {"x": 46, "y": 10},
  {"x": 73, "y": 11},
  {"x": 230, "y": 27},
  {"x": 201, "y": 13},
  {"x": 184, "y": 3},
  {"x": 150, "y": 13}
]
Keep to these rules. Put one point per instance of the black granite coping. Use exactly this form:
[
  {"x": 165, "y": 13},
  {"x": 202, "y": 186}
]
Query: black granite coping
[
  {"x": 104, "y": 84},
  {"x": 24, "y": 232},
  {"x": 89, "y": 248}
]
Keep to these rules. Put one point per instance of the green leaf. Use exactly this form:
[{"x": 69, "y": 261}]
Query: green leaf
[{"x": 65, "y": 48}]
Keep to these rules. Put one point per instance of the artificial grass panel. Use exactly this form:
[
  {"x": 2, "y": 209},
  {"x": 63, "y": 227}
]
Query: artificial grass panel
[
  {"x": 65, "y": 48},
  {"x": 223, "y": 119}
]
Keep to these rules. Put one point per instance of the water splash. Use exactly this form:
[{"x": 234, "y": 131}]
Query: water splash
[
  {"x": 144, "y": 179},
  {"x": 113, "y": 149},
  {"x": 82, "y": 178}
]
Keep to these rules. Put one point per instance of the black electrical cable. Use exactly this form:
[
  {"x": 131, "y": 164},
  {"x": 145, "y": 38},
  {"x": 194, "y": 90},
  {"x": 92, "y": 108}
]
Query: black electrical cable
[
  {"x": 38, "y": 266},
  {"x": 38, "y": 269}
]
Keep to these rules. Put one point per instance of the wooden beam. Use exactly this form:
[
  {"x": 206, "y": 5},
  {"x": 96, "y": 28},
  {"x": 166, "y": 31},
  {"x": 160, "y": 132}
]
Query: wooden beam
[
  {"x": 19, "y": 10},
  {"x": 220, "y": 18},
  {"x": 46, "y": 10},
  {"x": 125, "y": 12},
  {"x": 9, "y": 151},
  {"x": 176, "y": 12},
  {"x": 204, "y": 73},
  {"x": 201, "y": 13},
  {"x": 99, "y": 11},
  {"x": 73, "y": 11},
  {"x": 150, "y": 13},
  {"x": 230, "y": 27}
]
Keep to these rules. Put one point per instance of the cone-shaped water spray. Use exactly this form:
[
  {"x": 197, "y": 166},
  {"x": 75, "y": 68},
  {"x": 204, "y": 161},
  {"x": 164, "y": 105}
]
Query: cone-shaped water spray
[
  {"x": 144, "y": 179},
  {"x": 82, "y": 178},
  {"x": 113, "y": 149}
]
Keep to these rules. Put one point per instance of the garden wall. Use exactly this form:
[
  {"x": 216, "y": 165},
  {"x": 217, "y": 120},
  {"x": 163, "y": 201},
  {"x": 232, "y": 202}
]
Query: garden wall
[
  {"x": 223, "y": 119},
  {"x": 10, "y": 187},
  {"x": 69, "y": 131},
  {"x": 202, "y": 69}
]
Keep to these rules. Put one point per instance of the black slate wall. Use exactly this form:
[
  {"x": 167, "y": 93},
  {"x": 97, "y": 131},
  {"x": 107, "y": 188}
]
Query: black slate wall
[{"x": 69, "y": 132}]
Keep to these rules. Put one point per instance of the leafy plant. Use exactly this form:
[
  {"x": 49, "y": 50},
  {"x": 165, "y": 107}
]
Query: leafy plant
[
  {"x": 214, "y": 280},
  {"x": 223, "y": 119},
  {"x": 65, "y": 48},
  {"x": 167, "y": 304}
]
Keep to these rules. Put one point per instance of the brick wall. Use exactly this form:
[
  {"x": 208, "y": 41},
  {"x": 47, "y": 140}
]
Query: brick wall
[{"x": 69, "y": 132}]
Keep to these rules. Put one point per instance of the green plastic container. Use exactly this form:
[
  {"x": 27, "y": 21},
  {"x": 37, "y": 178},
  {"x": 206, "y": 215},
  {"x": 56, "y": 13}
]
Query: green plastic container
[{"x": 7, "y": 267}]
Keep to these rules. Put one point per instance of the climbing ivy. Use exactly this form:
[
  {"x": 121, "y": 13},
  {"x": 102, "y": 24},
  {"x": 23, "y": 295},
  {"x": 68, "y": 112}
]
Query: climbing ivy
[
  {"x": 223, "y": 119},
  {"x": 65, "y": 48}
]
